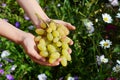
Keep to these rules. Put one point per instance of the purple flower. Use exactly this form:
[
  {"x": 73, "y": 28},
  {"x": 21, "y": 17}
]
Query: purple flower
[
  {"x": 110, "y": 27},
  {"x": 17, "y": 24},
  {"x": 111, "y": 78},
  {"x": 76, "y": 78},
  {"x": 1, "y": 71},
  {"x": 1, "y": 65},
  {"x": 9, "y": 60},
  {"x": 9, "y": 77},
  {"x": 3, "y": 5},
  {"x": 26, "y": 17}
]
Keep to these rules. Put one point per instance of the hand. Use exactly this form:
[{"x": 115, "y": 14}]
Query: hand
[
  {"x": 68, "y": 25},
  {"x": 29, "y": 45}
]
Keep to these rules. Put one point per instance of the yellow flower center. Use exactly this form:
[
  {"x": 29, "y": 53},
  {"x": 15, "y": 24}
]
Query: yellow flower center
[
  {"x": 105, "y": 19},
  {"x": 105, "y": 44}
]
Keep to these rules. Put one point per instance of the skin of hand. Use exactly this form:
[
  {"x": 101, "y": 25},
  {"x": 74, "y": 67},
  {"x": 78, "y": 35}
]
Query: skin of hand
[{"x": 29, "y": 45}]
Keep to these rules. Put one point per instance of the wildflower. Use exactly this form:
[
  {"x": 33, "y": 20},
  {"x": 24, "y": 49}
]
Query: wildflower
[
  {"x": 110, "y": 27},
  {"x": 58, "y": 5},
  {"x": 118, "y": 61},
  {"x": 111, "y": 78},
  {"x": 17, "y": 24},
  {"x": 106, "y": 18},
  {"x": 13, "y": 67},
  {"x": 70, "y": 78},
  {"x": 101, "y": 59},
  {"x": 118, "y": 15},
  {"x": 3, "y": 5},
  {"x": 4, "y": 54},
  {"x": 76, "y": 78},
  {"x": 42, "y": 77},
  {"x": 89, "y": 25},
  {"x": 9, "y": 60},
  {"x": 116, "y": 68},
  {"x": 1, "y": 65},
  {"x": 26, "y": 17},
  {"x": 105, "y": 44},
  {"x": 31, "y": 27},
  {"x": 1, "y": 71},
  {"x": 9, "y": 77},
  {"x": 114, "y": 2}
]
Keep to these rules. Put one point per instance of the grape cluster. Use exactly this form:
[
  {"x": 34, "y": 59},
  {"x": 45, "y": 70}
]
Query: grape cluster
[{"x": 53, "y": 43}]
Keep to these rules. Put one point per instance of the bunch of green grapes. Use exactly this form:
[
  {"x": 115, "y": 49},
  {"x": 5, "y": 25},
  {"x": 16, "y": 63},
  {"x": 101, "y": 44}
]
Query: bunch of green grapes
[{"x": 53, "y": 43}]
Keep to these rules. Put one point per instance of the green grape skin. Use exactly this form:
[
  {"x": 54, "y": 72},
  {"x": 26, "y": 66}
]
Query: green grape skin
[
  {"x": 37, "y": 39},
  {"x": 44, "y": 53},
  {"x": 49, "y": 30},
  {"x": 40, "y": 31},
  {"x": 55, "y": 55},
  {"x": 55, "y": 39},
  {"x": 63, "y": 61},
  {"x": 41, "y": 47},
  {"x": 65, "y": 45},
  {"x": 55, "y": 33},
  {"x": 52, "y": 25},
  {"x": 58, "y": 44},
  {"x": 51, "y": 60},
  {"x": 49, "y": 36},
  {"x": 51, "y": 48}
]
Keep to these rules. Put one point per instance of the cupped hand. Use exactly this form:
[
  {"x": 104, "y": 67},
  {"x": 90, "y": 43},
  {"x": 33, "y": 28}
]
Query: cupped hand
[
  {"x": 68, "y": 25},
  {"x": 29, "y": 45}
]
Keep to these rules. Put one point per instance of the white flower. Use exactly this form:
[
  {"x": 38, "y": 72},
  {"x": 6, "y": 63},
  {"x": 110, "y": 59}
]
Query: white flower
[
  {"x": 70, "y": 78},
  {"x": 89, "y": 25},
  {"x": 106, "y": 18},
  {"x": 114, "y": 2},
  {"x": 105, "y": 43},
  {"x": 101, "y": 59},
  {"x": 4, "y": 54},
  {"x": 58, "y": 5},
  {"x": 118, "y": 61},
  {"x": 116, "y": 68},
  {"x": 31, "y": 27},
  {"x": 42, "y": 77},
  {"x": 119, "y": 9},
  {"x": 118, "y": 15},
  {"x": 13, "y": 67}
]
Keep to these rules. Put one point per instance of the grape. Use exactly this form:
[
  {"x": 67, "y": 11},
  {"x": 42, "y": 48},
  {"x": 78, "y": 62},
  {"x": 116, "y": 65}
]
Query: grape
[
  {"x": 42, "y": 42},
  {"x": 52, "y": 25},
  {"x": 66, "y": 39},
  {"x": 65, "y": 45},
  {"x": 66, "y": 54},
  {"x": 55, "y": 55},
  {"x": 58, "y": 44},
  {"x": 55, "y": 33},
  {"x": 43, "y": 25},
  {"x": 49, "y": 30},
  {"x": 51, "y": 48},
  {"x": 61, "y": 32},
  {"x": 56, "y": 39},
  {"x": 41, "y": 47},
  {"x": 66, "y": 31},
  {"x": 44, "y": 53},
  {"x": 49, "y": 36},
  {"x": 52, "y": 60},
  {"x": 63, "y": 61},
  {"x": 37, "y": 39},
  {"x": 40, "y": 31}
]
